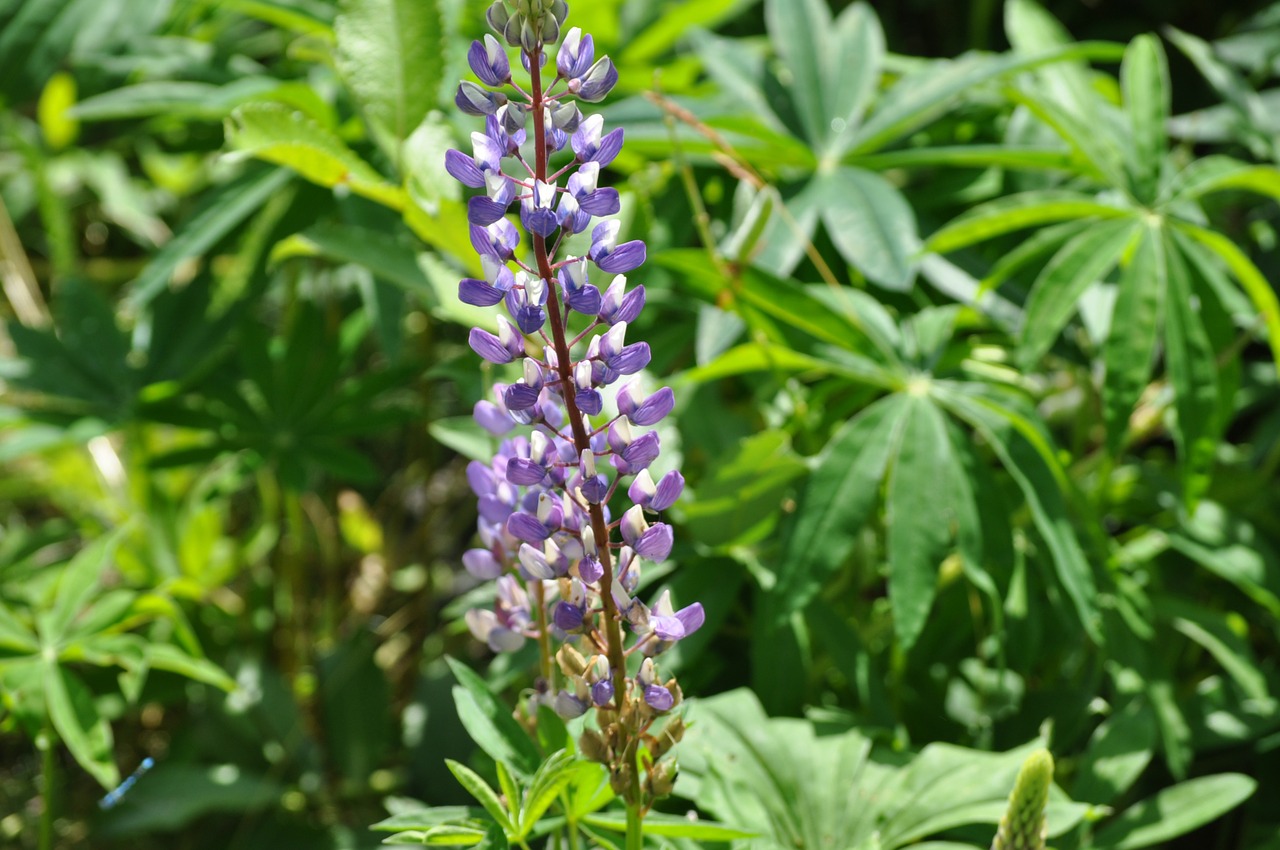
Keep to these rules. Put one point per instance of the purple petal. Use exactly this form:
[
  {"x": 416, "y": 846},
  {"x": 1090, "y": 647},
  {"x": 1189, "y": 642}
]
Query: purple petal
[
  {"x": 601, "y": 202},
  {"x": 525, "y": 527},
  {"x": 669, "y": 490},
  {"x": 463, "y": 169},
  {"x": 602, "y": 692},
  {"x": 478, "y": 293},
  {"x": 493, "y": 509},
  {"x": 692, "y": 616},
  {"x": 492, "y": 418},
  {"x": 659, "y": 698},
  {"x": 608, "y": 149},
  {"x": 655, "y": 544},
  {"x": 654, "y": 409},
  {"x": 567, "y": 617},
  {"x": 483, "y": 210},
  {"x": 629, "y": 310},
  {"x": 626, "y": 257},
  {"x": 590, "y": 570},
  {"x": 481, "y": 564},
  {"x": 525, "y": 472},
  {"x": 631, "y": 359},
  {"x": 489, "y": 346}
]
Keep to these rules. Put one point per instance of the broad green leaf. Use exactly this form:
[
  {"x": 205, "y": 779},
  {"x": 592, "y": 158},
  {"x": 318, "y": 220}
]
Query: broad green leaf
[
  {"x": 423, "y": 819},
  {"x": 391, "y": 53},
  {"x": 484, "y": 795},
  {"x": 204, "y": 101},
  {"x": 1144, "y": 77},
  {"x": 275, "y": 133},
  {"x": 872, "y": 225},
  {"x": 858, "y": 42},
  {"x": 222, "y": 211},
  {"x": 968, "y": 156},
  {"x": 464, "y": 435},
  {"x": 281, "y": 14},
  {"x": 79, "y": 583},
  {"x": 1130, "y": 347},
  {"x": 738, "y": 72},
  {"x": 837, "y": 501},
  {"x": 1175, "y": 811},
  {"x": 1217, "y": 173},
  {"x": 670, "y": 826},
  {"x": 489, "y": 722},
  {"x": 1255, "y": 284},
  {"x": 1100, "y": 154},
  {"x": 917, "y": 99},
  {"x": 677, "y": 20},
  {"x": 1017, "y": 212},
  {"x": 1080, "y": 263},
  {"x": 1117, "y": 753},
  {"x": 164, "y": 656},
  {"x": 918, "y": 515},
  {"x": 14, "y": 636},
  {"x": 1193, "y": 372},
  {"x": 801, "y": 32},
  {"x": 387, "y": 257},
  {"x": 1233, "y": 549},
  {"x": 1032, "y": 30},
  {"x": 1211, "y": 630},
  {"x": 1027, "y": 457},
  {"x": 78, "y": 723}
]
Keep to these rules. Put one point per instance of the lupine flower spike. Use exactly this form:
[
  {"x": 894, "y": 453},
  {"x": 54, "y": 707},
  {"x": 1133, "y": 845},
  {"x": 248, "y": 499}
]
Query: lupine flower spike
[
  {"x": 1023, "y": 826},
  {"x": 565, "y": 568}
]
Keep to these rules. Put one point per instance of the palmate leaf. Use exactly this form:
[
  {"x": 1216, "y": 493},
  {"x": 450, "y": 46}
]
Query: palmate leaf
[
  {"x": 1018, "y": 212},
  {"x": 79, "y": 724},
  {"x": 871, "y": 223},
  {"x": 1129, "y": 354}
]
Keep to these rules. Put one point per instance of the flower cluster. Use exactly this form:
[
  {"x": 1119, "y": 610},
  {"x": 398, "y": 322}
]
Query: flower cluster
[{"x": 566, "y": 569}]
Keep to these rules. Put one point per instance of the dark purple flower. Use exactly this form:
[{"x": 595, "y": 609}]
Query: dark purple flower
[
  {"x": 630, "y": 359},
  {"x": 497, "y": 241},
  {"x": 478, "y": 292},
  {"x": 602, "y": 692},
  {"x": 503, "y": 348},
  {"x": 567, "y": 617},
  {"x": 463, "y": 169},
  {"x": 581, "y": 296},
  {"x": 537, "y": 211},
  {"x": 488, "y": 59}
]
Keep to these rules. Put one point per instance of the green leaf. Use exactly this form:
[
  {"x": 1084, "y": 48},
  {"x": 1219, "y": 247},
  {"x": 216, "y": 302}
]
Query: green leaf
[
  {"x": 552, "y": 777},
  {"x": 222, "y": 211},
  {"x": 918, "y": 516},
  {"x": 1193, "y": 373},
  {"x": 837, "y": 501},
  {"x": 14, "y": 636},
  {"x": 670, "y": 826},
  {"x": 352, "y": 686},
  {"x": 191, "y": 100},
  {"x": 1174, "y": 811},
  {"x": 801, "y": 32},
  {"x": 1242, "y": 268},
  {"x": 35, "y": 41},
  {"x": 1032, "y": 30},
  {"x": 1118, "y": 752},
  {"x": 968, "y": 156},
  {"x": 1144, "y": 78},
  {"x": 1218, "y": 173},
  {"x": 855, "y": 74},
  {"x": 872, "y": 225},
  {"x": 1233, "y": 549},
  {"x": 1029, "y": 458},
  {"x": 165, "y": 656},
  {"x": 1211, "y": 630},
  {"x": 81, "y": 727},
  {"x": 391, "y": 53},
  {"x": 919, "y": 98},
  {"x": 1130, "y": 347},
  {"x": 425, "y": 818},
  {"x": 1099, "y": 151},
  {"x": 677, "y": 21},
  {"x": 1016, "y": 212},
  {"x": 275, "y": 133},
  {"x": 78, "y": 584},
  {"x": 387, "y": 257},
  {"x": 1081, "y": 262},
  {"x": 485, "y": 795},
  {"x": 489, "y": 722},
  {"x": 281, "y": 14}
]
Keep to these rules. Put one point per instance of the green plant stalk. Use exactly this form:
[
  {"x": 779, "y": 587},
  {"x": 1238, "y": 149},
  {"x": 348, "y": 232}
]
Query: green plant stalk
[{"x": 635, "y": 836}]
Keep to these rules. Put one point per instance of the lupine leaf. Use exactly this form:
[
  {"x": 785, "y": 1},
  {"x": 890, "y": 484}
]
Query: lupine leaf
[
  {"x": 837, "y": 501},
  {"x": 801, "y": 32},
  {"x": 222, "y": 211},
  {"x": 275, "y": 133},
  {"x": 1217, "y": 173},
  {"x": 1032, "y": 30},
  {"x": 1130, "y": 347},
  {"x": 855, "y": 73},
  {"x": 968, "y": 156},
  {"x": 872, "y": 225},
  {"x": 671, "y": 826},
  {"x": 918, "y": 515},
  {"x": 1144, "y": 77},
  {"x": 391, "y": 53},
  {"x": 1081, "y": 262},
  {"x": 1242, "y": 268},
  {"x": 78, "y": 584},
  {"x": 14, "y": 636},
  {"x": 78, "y": 723},
  {"x": 1211, "y": 630},
  {"x": 1100, "y": 153},
  {"x": 1193, "y": 372},
  {"x": 489, "y": 722},
  {"x": 1030, "y": 460},
  {"x": 484, "y": 795},
  {"x": 1016, "y": 212},
  {"x": 1118, "y": 752},
  {"x": 1174, "y": 811}
]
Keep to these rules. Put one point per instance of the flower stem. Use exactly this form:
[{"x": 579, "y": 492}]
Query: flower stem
[
  {"x": 635, "y": 836},
  {"x": 47, "y": 766}
]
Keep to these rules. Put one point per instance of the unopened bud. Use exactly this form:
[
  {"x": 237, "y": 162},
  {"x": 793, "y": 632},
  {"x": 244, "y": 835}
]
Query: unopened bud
[
  {"x": 571, "y": 662},
  {"x": 593, "y": 747}
]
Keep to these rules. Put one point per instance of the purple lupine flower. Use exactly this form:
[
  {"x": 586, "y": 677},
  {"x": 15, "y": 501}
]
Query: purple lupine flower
[
  {"x": 591, "y": 146},
  {"x": 488, "y": 60},
  {"x": 545, "y": 496}
]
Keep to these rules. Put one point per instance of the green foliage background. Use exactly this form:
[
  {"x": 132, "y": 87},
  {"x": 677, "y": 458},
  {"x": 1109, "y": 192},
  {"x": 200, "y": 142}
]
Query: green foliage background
[{"x": 970, "y": 311}]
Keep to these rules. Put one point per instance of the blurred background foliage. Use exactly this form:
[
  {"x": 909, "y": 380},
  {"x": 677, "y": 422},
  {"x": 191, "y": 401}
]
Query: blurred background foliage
[{"x": 974, "y": 338}]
